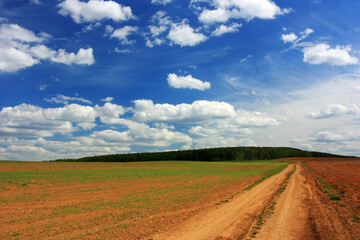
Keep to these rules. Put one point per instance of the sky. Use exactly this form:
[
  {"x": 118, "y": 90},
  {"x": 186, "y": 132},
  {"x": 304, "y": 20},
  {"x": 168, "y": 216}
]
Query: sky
[{"x": 93, "y": 77}]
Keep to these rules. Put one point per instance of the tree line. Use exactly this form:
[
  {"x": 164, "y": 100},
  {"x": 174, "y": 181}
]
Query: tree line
[{"x": 209, "y": 154}]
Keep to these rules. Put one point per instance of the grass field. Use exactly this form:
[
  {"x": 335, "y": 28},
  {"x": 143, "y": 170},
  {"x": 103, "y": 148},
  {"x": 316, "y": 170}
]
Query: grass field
[{"x": 54, "y": 200}]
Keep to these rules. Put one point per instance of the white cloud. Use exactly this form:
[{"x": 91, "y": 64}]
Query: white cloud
[
  {"x": 94, "y": 10},
  {"x": 326, "y": 136},
  {"x": 27, "y": 120},
  {"x": 12, "y": 32},
  {"x": 21, "y": 48},
  {"x": 83, "y": 57},
  {"x": 198, "y": 111},
  {"x": 108, "y": 29},
  {"x": 335, "y": 110},
  {"x": 110, "y": 110},
  {"x": 254, "y": 119},
  {"x": 221, "y": 141},
  {"x": 140, "y": 134},
  {"x": 322, "y": 54},
  {"x": 91, "y": 27},
  {"x": 294, "y": 39},
  {"x": 41, "y": 149},
  {"x": 107, "y": 99},
  {"x": 291, "y": 37},
  {"x": 184, "y": 35},
  {"x": 187, "y": 82},
  {"x": 161, "y": 2},
  {"x": 12, "y": 60},
  {"x": 157, "y": 30},
  {"x": 24, "y": 128},
  {"x": 222, "y": 29},
  {"x": 66, "y": 99},
  {"x": 339, "y": 142},
  {"x": 221, "y": 128},
  {"x": 31, "y": 121},
  {"x": 160, "y": 23},
  {"x": 240, "y": 9},
  {"x": 123, "y": 33}
]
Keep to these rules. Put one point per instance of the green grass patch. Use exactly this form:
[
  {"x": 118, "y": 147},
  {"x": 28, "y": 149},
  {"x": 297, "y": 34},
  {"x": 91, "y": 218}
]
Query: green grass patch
[
  {"x": 331, "y": 192},
  {"x": 355, "y": 218},
  {"x": 133, "y": 171}
]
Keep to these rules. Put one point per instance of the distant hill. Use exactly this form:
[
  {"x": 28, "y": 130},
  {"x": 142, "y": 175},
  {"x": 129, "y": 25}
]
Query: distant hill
[{"x": 210, "y": 154}]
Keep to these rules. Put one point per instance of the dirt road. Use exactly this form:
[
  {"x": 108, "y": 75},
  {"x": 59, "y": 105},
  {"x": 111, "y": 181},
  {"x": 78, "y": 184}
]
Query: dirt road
[
  {"x": 231, "y": 220},
  {"x": 299, "y": 211},
  {"x": 291, "y": 217}
]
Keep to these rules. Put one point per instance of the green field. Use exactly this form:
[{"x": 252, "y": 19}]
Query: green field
[{"x": 74, "y": 200}]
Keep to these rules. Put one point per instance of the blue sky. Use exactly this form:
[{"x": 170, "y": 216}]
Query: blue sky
[{"x": 81, "y": 78}]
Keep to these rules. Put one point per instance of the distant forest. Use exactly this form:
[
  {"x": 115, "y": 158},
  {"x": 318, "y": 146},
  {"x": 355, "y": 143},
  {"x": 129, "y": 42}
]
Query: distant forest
[{"x": 210, "y": 154}]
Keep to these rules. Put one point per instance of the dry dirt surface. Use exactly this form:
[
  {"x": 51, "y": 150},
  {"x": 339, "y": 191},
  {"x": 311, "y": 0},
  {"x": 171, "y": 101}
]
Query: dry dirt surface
[{"x": 294, "y": 204}]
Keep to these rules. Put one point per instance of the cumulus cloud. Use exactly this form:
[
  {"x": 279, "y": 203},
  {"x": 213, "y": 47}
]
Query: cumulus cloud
[
  {"x": 184, "y": 35},
  {"x": 222, "y": 29},
  {"x": 83, "y": 57},
  {"x": 334, "y": 110},
  {"x": 160, "y": 24},
  {"x": 110, "y": 110},
  {"x": 107, "y": 99},
  {"x": 186, "y": 82},
  {"x": 322, "y": 54},
  {"x": 21, "y": 48},
  {"x": 123, "y": 33},
  {"x": 222, "y": 11},
  {"x": 41, "y": 149},
  {"x": 32, "y": 121},
  {"x": 343, "y": 142},
  {"x": 94, "y": 10},
  {"x": 28, "y": 128},
  {"x": 198, "y": 111},
  {"x": 295, "y": 39},
  {"x": 11, "y": 32},
  {"x": 291, "y": 37},
  {"x": 12, "y": 60}
]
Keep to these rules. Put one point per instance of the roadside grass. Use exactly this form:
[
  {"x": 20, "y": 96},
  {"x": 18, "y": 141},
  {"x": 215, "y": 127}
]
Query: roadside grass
[
  {"x": 170, "y": 186},
  {"x": 327, "y": 188}
]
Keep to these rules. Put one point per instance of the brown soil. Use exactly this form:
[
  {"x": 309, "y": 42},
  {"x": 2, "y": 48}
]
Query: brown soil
[
  {"x": 302, "y": 211},
  {"x": 99, "y": 210},
  {"x": 232, "y": 220}
]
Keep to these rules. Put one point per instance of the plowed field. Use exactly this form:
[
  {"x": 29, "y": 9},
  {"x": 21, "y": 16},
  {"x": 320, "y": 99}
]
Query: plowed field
[
  {"x": 310, "y": 198},
  {"x": 116, "y": 200}
]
